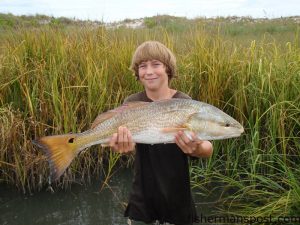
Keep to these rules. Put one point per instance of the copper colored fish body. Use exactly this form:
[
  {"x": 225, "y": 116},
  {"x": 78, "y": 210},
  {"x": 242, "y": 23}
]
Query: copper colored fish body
[{"x": 148, "y": 122}]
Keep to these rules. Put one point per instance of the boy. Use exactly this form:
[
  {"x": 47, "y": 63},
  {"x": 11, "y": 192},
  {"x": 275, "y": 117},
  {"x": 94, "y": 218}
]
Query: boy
[{"x": 161, "y": 186}]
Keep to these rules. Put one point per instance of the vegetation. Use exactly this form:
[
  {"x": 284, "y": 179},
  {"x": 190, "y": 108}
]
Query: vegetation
[
  {"x": 56, "y": 79},
  {"x": 8, "y": 21}
]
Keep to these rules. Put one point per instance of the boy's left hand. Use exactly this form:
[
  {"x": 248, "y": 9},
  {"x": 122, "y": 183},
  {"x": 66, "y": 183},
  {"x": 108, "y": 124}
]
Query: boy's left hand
[{"x": 193, "y": 147}]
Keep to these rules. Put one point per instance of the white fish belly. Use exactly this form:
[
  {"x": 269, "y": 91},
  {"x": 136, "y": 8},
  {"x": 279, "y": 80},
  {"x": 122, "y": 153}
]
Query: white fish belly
[
  {"x": 156, "y": 136},
  {"x": 153, "y": 136}
]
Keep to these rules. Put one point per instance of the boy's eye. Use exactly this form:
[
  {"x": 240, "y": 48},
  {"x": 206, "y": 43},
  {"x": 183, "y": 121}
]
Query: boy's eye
[
  {"x": 142, "y": 66},
  {"x": 156, "y": 64}
]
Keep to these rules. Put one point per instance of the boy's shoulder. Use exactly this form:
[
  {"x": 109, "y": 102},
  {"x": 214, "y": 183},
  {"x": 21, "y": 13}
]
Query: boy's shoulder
[{"x": 180, "y": 94}]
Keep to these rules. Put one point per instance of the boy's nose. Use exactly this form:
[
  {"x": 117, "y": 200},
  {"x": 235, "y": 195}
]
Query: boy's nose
[{"x": 149, "y": 70}]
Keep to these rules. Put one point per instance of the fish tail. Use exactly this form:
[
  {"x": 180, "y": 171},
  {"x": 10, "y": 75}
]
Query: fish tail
[{"x": 60, "y": 151}]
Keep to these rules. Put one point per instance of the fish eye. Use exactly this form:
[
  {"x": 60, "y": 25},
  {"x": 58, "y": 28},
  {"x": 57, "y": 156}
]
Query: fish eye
[{"x": 227, "y": 125}]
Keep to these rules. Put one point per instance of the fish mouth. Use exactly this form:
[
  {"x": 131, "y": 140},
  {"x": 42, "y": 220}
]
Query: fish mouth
[
  {"x": 241, "y": 130},
  {"x": 238, "y": 132}
]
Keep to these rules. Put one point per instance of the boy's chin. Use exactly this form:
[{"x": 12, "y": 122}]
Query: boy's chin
[{"x": 151, "y": 86}]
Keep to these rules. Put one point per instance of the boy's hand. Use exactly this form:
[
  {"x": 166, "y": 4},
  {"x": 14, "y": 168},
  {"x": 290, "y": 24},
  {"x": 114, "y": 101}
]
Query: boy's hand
[
  {"x": 122, "y": 141},
  {"x": 193, "y": 147}
]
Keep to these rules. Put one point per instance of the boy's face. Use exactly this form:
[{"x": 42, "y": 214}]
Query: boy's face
[{"x": 152, "y": 74}]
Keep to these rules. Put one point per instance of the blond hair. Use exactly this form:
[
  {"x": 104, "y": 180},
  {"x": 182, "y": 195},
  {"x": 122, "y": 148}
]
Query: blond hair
[{"x": 151, "y": 50}]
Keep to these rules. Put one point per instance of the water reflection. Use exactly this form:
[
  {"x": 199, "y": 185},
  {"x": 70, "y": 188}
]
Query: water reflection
[{"x": 79, "y": 205}]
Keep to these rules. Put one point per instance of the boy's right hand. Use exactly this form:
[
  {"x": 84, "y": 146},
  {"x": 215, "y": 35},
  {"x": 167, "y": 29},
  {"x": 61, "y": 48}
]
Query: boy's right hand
[{"x": 122, "y": 141}]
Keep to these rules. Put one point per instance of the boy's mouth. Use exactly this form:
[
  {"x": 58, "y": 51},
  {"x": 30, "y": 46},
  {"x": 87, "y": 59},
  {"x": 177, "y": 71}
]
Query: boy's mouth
[{"x": 151, "y": 78}]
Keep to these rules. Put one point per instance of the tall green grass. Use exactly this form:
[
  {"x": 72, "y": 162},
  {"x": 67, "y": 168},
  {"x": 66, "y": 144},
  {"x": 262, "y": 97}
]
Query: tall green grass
[
  {"x": 60, "y": 80},
  {"x": 259, "y": 85},
  {"x": 56, "y": 80}
]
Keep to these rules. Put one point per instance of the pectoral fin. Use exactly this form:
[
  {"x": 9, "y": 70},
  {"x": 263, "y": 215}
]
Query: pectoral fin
[{"x": 173, "y": 129}]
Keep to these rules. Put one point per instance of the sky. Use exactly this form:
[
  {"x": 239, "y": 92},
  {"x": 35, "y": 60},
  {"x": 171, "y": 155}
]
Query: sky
[{"x": 117, "y": 10}]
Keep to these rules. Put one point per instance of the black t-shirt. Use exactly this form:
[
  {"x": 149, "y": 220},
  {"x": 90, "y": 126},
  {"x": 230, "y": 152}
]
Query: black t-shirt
[{"x": 161, "y": 186}]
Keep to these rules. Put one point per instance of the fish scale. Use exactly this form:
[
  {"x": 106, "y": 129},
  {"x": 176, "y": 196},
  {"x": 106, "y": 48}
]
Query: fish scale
[{"x": 149, "y": 123}]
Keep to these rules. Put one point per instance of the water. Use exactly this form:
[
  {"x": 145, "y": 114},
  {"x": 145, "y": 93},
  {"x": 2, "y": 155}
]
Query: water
[{"x": 78, "y": 205}]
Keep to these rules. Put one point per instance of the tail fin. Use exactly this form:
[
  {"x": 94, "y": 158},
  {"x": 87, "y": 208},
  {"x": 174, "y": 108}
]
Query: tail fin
[{"x": 60, "y": 151}]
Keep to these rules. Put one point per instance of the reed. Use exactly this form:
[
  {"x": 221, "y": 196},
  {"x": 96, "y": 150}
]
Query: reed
[
  {"x": 259, "y": 84},
  {"x": 56, "y": 80}
]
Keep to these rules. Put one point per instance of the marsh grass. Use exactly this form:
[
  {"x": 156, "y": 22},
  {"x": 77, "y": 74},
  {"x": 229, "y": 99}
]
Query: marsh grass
[
  {"x": 56, "y": 80},
  {"x": 262, "y": 194}
]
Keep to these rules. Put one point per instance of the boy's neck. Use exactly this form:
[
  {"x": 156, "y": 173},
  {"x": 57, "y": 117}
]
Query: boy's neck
[{"x": 161, "y": 94}]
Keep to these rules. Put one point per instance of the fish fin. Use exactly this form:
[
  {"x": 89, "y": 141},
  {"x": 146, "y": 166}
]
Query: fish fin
[
  {"x": 60, "y": 151},
  {"x": 130, "y": 105},
  {"x": 109, "y": 114},
  {"x": 102, "y": 117},
  {"x": 173, "y": 129}
]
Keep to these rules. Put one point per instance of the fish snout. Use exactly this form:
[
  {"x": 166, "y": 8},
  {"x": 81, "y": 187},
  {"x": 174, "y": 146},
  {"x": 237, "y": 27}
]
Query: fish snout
[{"x": 242, "y": 130}]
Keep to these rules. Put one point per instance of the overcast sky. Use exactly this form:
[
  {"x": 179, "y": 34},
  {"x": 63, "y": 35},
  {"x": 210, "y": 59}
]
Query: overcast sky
[{"x": 115, "y": 10}]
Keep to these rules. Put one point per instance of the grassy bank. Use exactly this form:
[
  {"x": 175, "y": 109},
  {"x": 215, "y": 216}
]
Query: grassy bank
[{"x": 56, "y": 79}]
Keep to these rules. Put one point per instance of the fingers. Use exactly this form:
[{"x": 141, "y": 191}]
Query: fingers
[
  {"x": 113, "y": 141},
  {"x": 122, "y": 141},
  {"x": 187, "y": 145},
  {"x": 130, "y": 141}
]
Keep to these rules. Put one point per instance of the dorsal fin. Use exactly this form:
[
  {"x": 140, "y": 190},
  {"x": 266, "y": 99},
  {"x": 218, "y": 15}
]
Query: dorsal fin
[
  {"x": 102, "y": 117},
  {"x": 109, "y": 114}
]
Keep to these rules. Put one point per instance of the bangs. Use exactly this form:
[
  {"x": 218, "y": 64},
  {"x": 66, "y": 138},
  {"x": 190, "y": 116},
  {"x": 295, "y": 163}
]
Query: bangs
[{"x": 149, "y": 52}]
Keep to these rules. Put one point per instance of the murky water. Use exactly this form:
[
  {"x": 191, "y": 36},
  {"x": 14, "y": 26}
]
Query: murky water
[{"x": 78, "y": 205}]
